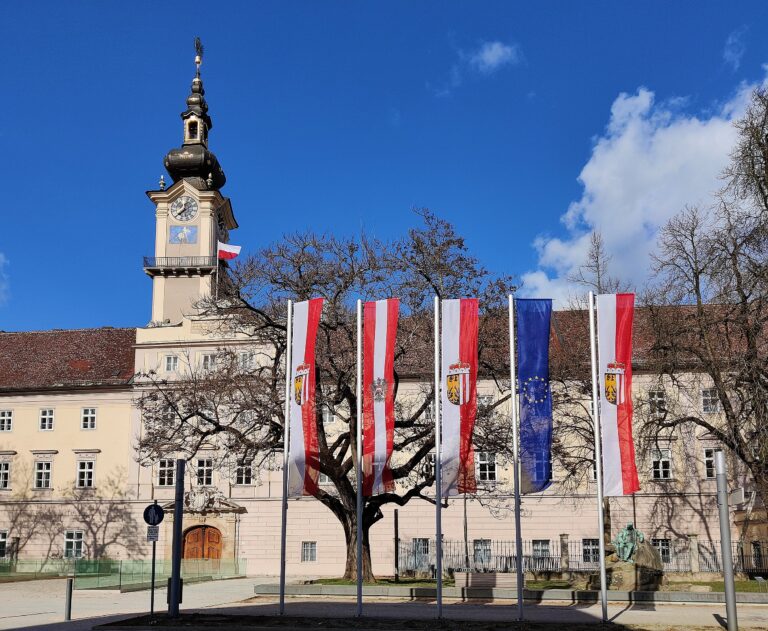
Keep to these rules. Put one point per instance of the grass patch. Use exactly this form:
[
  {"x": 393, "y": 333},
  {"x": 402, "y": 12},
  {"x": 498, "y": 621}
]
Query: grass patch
[
  {"x": 719, "y": 586},
  {"x": 548, "y": 585},
  {"x": 386, "y": 582}
]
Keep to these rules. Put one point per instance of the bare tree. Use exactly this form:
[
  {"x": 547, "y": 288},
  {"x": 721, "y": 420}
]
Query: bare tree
[{"x": 238, "y": 407}]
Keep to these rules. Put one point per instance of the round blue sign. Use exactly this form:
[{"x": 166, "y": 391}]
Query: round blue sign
[{"x": 153, "y": 514}]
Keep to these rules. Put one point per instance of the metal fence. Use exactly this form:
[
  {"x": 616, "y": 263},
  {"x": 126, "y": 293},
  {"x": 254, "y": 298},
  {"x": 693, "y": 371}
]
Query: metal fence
[{"x": 418, "y": 556}]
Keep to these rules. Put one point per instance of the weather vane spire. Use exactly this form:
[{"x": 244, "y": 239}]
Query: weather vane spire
[{"x": 198, "y": 54}]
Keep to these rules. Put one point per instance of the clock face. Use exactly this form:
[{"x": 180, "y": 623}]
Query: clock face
[{"x": 184, "y": 208}]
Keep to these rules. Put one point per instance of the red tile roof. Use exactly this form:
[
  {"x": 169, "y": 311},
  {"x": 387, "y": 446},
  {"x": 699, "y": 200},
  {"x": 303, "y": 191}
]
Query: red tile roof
[{"x": 66, "y": 358}]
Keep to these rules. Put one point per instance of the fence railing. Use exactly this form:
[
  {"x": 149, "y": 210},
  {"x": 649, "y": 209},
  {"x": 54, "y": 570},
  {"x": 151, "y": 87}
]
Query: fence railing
[{"x": 418, "y": 556}]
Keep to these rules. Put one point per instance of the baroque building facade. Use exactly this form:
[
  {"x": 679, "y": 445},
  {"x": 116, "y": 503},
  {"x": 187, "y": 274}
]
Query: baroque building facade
[{"x": 72, "y": 485}]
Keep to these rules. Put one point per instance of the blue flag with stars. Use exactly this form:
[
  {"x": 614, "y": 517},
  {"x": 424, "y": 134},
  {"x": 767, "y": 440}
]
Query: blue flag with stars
[{"x": 533, "y": 319}]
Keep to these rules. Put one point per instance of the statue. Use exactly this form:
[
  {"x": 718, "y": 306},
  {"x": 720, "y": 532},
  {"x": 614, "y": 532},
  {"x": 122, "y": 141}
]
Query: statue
[{"x": 626, "y": 543}]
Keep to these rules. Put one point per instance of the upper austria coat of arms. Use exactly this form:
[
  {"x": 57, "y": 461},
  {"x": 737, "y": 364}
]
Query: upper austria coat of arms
[
  {"x": 300, "y": 384},
  {"x": 457, "y": 383}
]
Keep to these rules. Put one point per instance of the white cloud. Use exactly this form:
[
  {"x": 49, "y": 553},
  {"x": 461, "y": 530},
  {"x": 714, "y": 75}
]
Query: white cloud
[
  {"x": 649, "y": 163},
  {"x": 486, "y": 59},
  {"x": 493, "y": 55},
  {"x": 4, "y": 281},
  {"x": 735, "y": 48}
]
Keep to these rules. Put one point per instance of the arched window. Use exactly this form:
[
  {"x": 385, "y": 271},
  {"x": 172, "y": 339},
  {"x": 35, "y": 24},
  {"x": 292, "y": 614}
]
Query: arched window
[{"x": 192, "y": 130}]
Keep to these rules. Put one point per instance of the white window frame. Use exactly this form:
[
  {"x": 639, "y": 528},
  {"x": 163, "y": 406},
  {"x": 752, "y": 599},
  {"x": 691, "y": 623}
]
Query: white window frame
[
  {"x": 208, "y": 362},
  {"x": 88, "y": 418},
  {"x": 323, "y": 479},
  {"x": 663, "y": 545},
  {"x": 166, "y": 472},
  {"x": 486, "y": 467},
  {"x": 5, "y": 475},
  {"x": 246, "y": 360},
  {"x": 709, "y": 463},
  {"x": 659, "y": 458},
  {"x": 710, "y": 402},
  {"x": 3, "y": 544},
  {"x": 429, "y": 464},
  {"x": 73, "y": 544},
  {"x": 540, "y": 548},
  {"x": 171, "y": 363},
  {"x": 47, "y": 418},
  {"x": 329, "y": 416},
  {"x": 540, "y": 466},
  {"x": 590, "y": 550},
  {"x": 204, "y": 471},
  {"x": 43, "y": 473},
  {"x": 657, "y": 401},
  {"x": 481, "y": 551},
  {"x": 309, "y": 551},
  {"x": 86, "y": 470},
  {"x": 6, "y": 420},
  {"x": 244, "y": 475}
]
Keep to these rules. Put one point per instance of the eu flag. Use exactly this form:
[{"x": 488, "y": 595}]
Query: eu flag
[{"x": 533, "y": 318}]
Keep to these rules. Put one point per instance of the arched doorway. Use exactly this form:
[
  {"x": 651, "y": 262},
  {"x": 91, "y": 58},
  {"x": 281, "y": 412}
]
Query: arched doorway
[{"x": 202, "y": 542}]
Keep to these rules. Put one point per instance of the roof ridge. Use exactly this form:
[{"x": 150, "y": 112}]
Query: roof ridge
[{"x": 94, "y": 328}]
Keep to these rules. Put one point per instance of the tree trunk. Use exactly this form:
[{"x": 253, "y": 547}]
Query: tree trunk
[{"x": 350, "y": 534}]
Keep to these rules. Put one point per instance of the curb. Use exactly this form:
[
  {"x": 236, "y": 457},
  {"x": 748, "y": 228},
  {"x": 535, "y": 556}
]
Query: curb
[{"x": 493, "y": 593}]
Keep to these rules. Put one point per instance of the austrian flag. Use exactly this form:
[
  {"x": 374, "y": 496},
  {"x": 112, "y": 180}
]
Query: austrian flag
[
  {"x": 225, "y": 251},
  {"x": 380, "y": 329},
  {"x": 458, "y": 395},
  {"x": 303, "y": 450},
  {"x": 615, "y": 313}
]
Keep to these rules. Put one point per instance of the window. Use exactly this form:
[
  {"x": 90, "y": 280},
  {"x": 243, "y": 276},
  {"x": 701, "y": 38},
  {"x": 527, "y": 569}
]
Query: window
[
  {"x": 541, "y": 466},
  {"x": 710, "y": 402},
  {"x": 420, "y": 547},
  {"x": 42, "y": 475},
  {"x": 482, "y": 551},
  {"x": 590, "y": 550},
  {"x": 429, "y": 465},
  {"x": 73, "y": 544},
  {"x": 166, "y": 469},
  {"x": 484, "y": 401},
  {"x": 46, "y": 420},
  {"x": 6, "y": 420},
  {"x": 88, "y": 418},
  {"x": 3, "y": 543},
  {"x": 208, "y": 361},
  {"x": 657, "y": 402},
  {"x": 308, "y": 551},
  {"x": 540, "y": 548},
  {"x": 328, "y": 415},
  {"x": 594, "y": 469},
  {"x": 192, "y": 127},
  {"x": 757, "y": 555},
  {"x": 5, "y": 475},
  {"x": 662, "y": 545},
  {"x": 709, "y": 463},
  {"x": 245, "y": 360},
  {"x": 662, "y": 464},
  {"x": 85, "y": 474},
  {"x": 323, "y": 479},
  {"x": 204, "y": 471},
  {"x": 243, "y": 474},
  {"x": 486, "y": 463},
  {"x": 171, "y": 363}
]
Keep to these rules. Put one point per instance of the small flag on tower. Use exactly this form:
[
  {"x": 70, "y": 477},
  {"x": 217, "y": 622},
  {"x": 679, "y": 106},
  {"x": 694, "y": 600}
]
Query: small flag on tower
[{"x": 225, "y": 251}]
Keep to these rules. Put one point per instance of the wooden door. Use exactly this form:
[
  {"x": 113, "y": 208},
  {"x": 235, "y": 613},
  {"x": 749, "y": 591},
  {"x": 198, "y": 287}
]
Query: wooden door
[{"x": 202, "y": 542}]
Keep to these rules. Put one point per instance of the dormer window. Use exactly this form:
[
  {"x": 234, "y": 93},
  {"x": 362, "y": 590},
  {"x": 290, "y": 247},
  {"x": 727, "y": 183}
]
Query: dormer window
[{"x": 192, "y": 130}]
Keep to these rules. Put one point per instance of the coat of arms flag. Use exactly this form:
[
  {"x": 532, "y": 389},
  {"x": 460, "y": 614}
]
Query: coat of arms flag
[
  {"x": 459, "y": 394},
  {"x": 533, "y": 321},
  {"x": 303, "y": 449},
  {"x": 379, "y": 333},
  {"x": 615, "y": 313}
]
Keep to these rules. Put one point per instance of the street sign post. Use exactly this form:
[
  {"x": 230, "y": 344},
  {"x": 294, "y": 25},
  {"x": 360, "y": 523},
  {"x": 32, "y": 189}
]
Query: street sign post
[{"x": 153, "y": 515}]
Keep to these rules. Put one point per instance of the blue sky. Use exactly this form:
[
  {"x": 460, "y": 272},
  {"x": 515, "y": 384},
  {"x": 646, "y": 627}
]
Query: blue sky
[{"x": 526, "y": 125}]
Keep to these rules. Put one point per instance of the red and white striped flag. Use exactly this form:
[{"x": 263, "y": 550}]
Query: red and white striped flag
[
  {"x": 226, "y": 251},
  {"x": 459, "y": 395},
  {"x": 303, "y": 451},
  {"x": 615, "y": 313},
  {"x": 380, "y": 330}
]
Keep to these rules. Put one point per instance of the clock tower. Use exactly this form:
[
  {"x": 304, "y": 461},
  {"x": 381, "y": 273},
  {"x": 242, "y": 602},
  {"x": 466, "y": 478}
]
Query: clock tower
[{"x": 191, "y": 215}]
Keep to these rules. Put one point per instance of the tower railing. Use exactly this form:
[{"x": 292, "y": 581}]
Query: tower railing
[{"x": 159, "y": 262}]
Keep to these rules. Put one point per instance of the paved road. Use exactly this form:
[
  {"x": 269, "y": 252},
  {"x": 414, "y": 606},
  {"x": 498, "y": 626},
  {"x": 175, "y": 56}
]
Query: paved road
[{"x": 40, "y": 605}]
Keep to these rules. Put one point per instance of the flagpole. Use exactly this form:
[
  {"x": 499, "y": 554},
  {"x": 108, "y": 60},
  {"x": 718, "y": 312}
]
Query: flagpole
[
  {"x": 598, "y": 455},
  {"x": 286, "y": 438},
  {"x": 358, "y": 460},
  {"x": 438, "y": 472},
  {"x": 516, "y": 459}
]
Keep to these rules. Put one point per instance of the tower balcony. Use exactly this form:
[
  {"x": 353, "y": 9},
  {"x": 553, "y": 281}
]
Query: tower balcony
[{"x": 179, "y": 265}]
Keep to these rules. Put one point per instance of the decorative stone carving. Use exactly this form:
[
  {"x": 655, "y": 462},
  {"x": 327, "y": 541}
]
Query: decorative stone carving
[{"x": 203, "y": 500}]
